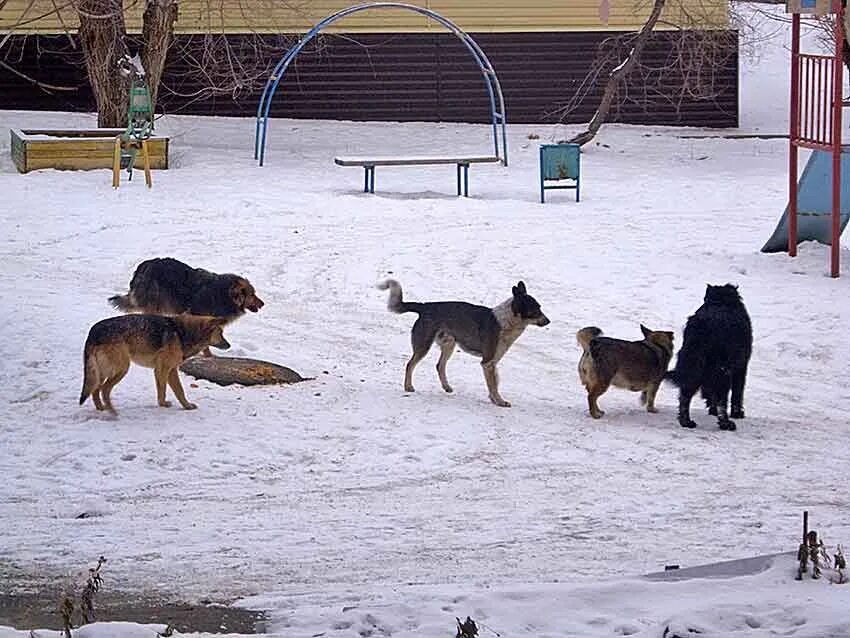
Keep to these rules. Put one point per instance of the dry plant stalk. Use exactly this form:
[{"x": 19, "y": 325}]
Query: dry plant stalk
[{"x": 90, "y": 588}]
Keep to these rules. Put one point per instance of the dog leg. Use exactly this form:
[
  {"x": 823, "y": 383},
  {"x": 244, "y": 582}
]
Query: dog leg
[
  {"x": 177, "y": 388},
  {"x": 685, "y": 396},
  {"x": 721, "y": 399},
  {"x": 593, "y": 394},
  {"x": 161, "y": 377},
  {"x": 650, "y": 392},
  {"x": 739, "y": 379},
  {"x": 710, "y": 403},
  {"x": 408, "y": 370},
  {"x": 491, "y": 377},
  {"x": 98, "y": 404},
  {"x": 421, "y": 339},
  {"x": 447, "y": 348},
  {"x": 110, "y": 383}
]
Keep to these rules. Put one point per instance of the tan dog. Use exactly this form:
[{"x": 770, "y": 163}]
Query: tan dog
[
  {"x": 152, "y": 341},
  {"x": 638, "y": 366}
]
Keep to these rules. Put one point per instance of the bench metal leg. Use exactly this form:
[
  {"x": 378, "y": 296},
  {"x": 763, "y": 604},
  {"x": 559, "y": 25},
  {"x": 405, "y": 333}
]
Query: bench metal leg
[
  {"x": 465, "y": 168},
  {"x": 369, "y": 182}
]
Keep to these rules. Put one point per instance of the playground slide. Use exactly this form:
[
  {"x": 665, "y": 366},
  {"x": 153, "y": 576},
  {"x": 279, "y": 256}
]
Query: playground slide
[{"x": 814, "y": 203}]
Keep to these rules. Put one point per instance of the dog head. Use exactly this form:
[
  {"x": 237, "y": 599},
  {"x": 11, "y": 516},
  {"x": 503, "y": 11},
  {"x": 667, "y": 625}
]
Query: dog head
[
  {"x": 200, "y": 331},
  {"x": 726, "y": 295},
  {"x": 526, "y": 307},
  {"x": 661, "y": 338},
  {"x": 244, "y": 296},
  {"x": 214, "y": 331}
]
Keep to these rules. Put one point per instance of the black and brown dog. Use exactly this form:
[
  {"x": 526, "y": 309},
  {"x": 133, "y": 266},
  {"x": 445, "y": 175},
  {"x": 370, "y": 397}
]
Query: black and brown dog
[
  {"x": 169, "y": 287},
  {"x": 152, "y": 341}
]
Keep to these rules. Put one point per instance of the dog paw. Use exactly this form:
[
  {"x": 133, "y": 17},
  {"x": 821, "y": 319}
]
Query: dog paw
[
  {"x": 165, "y": 404},
  {"x": 687, "y": 424},
  {"x": 448, "y": 388},
  {"x": 737, "y": 413},
  {"x": 409, "y": 388},
  {"x": 652, "y": 409},
  {"x": 500, "y": 402},
  {"x": 727, "y": 425},
  {"x": 598, "y": 414},
  {"x": 190, "y": 406}
]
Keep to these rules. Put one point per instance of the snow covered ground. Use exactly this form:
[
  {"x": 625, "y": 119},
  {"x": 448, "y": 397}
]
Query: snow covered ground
[{"x": 344, "y": 505}]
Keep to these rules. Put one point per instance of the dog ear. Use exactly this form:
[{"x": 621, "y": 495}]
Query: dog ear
[
  {"x": 237, "y": 294},
  {"x": 646, "y": 331},
  {"x": 519, "y": 289}
]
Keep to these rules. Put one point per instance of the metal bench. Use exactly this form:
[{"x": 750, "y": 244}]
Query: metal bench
[{"x": 369, "y": 165}]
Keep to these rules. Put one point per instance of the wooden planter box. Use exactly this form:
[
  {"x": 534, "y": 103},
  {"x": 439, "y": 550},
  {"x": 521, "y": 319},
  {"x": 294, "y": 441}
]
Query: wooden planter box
[{"x": 33, "y": 149}]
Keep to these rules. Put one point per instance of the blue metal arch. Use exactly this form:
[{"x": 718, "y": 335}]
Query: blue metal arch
[{"x": 494, "y": 89}]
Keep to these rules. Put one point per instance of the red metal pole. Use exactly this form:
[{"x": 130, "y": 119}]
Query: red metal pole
[
  {"x": 794, "y": 134},
  {"x": 836, "y": 141}
]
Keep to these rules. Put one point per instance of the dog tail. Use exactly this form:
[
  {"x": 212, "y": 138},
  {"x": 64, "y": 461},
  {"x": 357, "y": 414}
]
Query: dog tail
[
  {"x": 396, "y": 303},
  {"x": 672, "y": 377},
  {"x": 122, "y": 302},
  {"x": 586, "y": 335},
  {"x": 90, "y": 378}
]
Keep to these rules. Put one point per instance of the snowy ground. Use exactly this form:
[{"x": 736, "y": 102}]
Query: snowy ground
[{"x": 345, "y": 491}]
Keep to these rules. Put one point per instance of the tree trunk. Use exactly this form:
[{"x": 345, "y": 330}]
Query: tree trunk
[
  {"x": 618, "y": 75},
  {"x": 157, "y": 32},
  {"x": 102, "y": 35}
]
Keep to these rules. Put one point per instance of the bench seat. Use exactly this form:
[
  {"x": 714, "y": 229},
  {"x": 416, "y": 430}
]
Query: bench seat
[{"x": 462, "y": 163}]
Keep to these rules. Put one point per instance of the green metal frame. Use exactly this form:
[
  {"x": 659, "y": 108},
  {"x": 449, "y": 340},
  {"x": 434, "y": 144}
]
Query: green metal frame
[
  {"x": 139, "y": 121},
  {"x": 557, "y": 162}
]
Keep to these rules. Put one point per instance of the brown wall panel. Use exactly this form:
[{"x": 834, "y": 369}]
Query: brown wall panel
[{"x": 406, "y": 77}]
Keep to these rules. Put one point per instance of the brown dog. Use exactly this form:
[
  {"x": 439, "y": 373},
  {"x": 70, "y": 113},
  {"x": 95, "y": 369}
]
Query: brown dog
[
  {"x": 152, "y": 341},
  {"x": 638, "y": 366}
]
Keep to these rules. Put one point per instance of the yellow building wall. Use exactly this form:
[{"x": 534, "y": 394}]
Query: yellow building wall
[{"x": 292, "y": 16}]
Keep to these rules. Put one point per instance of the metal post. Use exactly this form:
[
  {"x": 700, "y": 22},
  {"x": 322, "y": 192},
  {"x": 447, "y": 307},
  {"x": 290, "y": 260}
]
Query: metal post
[
  {"x": 491, "y": 81},
  {"x": 794, "y": 134},
  {"x": 836, "y": 142}
]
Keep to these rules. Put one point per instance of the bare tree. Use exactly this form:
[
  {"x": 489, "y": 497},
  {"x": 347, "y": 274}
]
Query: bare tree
[
  {"x": 689, "y": 70},
  {"x": 211, "y": 63}
]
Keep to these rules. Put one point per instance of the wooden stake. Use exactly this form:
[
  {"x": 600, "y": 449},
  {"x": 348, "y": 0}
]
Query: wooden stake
[
  {"x": 116, "y": 163},
  {"x": 147, "y": 163},
  {"x": 805, "y": 525}
]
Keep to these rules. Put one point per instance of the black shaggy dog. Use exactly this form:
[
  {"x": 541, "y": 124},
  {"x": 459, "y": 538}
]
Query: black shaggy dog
[
  {"x": 170, "y": 287},
  {"x": 715, "y": 352}
]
